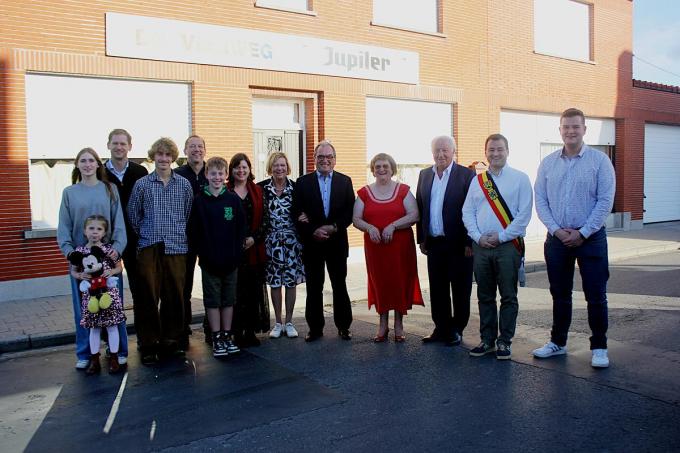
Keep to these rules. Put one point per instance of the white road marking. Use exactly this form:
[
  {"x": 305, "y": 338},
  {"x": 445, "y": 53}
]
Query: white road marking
[
  {"x": 116, "y": 404},
  {"x": 152, "y": 433}
]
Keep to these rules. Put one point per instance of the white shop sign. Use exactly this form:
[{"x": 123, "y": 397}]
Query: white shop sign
[{"x": 189, "y": 42}]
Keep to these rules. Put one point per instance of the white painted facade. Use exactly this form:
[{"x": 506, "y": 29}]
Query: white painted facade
[{"x": 527, "y": 131}]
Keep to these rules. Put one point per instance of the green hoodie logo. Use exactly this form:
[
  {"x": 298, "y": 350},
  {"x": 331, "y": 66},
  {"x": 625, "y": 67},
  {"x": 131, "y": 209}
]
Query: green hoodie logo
[{"x": 228, "y": 213}]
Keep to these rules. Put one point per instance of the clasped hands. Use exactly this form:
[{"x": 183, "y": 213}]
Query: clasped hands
[
  {"x": 489, "y": 240},
  {"x": 321, "y": 234},
  {"x": 386, "y": 236},
  {"x": 569, "y": 237}
]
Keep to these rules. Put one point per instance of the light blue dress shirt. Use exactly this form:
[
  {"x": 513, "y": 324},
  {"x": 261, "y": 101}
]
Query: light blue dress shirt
[
  {"x": 118, "y": 174},
  {"x": 325, "y": 189},
  {"x": 576, "y": 192}
]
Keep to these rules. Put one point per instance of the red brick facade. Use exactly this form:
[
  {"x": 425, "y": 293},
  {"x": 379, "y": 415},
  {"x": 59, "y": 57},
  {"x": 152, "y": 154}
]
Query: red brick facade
[{"x": 481, "y": 62}]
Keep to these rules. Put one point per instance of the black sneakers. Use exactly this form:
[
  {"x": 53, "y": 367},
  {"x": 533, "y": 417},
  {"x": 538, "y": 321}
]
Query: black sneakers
[
  {"x": 482, "y": 349},
  {"x": 503, "y": 351},
  {"x": 219, "y": 348},
  {"x": 229, "y": 344}
]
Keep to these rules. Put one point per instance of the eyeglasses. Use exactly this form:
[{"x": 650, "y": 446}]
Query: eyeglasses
[{"x": 325, "y": 157}]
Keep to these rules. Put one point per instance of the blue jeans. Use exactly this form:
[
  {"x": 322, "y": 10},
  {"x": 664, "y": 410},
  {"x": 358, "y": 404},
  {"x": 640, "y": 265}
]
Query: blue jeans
[
  {"x": 83, "y": 334},
  {"x": 593, "y": 263}
]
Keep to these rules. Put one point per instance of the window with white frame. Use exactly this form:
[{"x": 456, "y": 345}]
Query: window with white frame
[
  {"x": 291, "y": 5},
  {"x": 417, "y": 15},
  {"x": 562, "y": 29},
  {"x": 404, "y": 129},
  {"x": 67, "y": 113}
]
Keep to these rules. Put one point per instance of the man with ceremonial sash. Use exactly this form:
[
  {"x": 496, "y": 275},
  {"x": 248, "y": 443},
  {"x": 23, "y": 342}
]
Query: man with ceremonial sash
[
  {"x": 496, "y": 213},
  {"x": 574, "y": 192}
]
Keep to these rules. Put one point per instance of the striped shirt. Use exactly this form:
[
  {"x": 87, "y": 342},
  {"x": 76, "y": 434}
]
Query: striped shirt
[
  {"x": 576, "y": 192},
  {"x": 160, "y": 213}
]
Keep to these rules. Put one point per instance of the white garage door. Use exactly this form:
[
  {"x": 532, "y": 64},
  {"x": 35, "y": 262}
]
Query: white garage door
[{"x": 662, "y": 166}]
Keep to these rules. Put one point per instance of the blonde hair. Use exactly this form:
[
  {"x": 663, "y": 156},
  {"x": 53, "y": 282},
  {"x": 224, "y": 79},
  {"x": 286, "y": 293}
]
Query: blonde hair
[
  {"x": 166, "y": 144},
  {"x": 273, "y": 158},
  {"x": 97, "y": 218},
  {"x": 216, "y": 162}
]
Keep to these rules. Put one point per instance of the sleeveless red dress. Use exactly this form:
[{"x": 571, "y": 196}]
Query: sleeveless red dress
[{"x": 392, "y": 268}]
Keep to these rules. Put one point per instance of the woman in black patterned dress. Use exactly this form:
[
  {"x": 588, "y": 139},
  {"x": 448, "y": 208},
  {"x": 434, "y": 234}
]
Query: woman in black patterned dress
[{"x": 284, "y": 251}]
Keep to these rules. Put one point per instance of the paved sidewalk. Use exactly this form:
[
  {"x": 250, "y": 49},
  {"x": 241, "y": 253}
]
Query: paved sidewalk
[{"x": 36, "y": 323}]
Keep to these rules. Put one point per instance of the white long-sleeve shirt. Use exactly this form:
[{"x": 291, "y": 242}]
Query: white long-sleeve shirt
[
  {"x": 515, "y": 188},
  {"x": 437, "y": 200}
]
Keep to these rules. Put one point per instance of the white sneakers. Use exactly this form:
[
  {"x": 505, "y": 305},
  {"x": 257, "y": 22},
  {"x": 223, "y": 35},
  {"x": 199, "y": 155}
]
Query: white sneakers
[
  {"x": 276, "y": 331},
  {"x": 548, "y": 350},
  {"x": 288, "y": 330},
  {"x": 600, "y": 358},
  {"x": 82, "y": 364}
]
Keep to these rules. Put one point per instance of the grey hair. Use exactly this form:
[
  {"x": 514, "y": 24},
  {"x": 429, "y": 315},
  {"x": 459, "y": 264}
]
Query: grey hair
[{"x": 446, "y": 138}]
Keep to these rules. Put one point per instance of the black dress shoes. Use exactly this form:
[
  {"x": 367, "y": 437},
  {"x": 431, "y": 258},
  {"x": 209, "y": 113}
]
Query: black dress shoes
[
  {"x": 312, "y": 336},
  {"x": 345, "y": 334},
  {"x": 432, "y": 338},
  {"x": 452, "y": 340}
]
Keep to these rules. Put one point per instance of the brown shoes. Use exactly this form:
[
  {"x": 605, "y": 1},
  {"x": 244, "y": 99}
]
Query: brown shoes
[
  {"x": 94, "y": 367},
  {"x": 114, "y": 366}
]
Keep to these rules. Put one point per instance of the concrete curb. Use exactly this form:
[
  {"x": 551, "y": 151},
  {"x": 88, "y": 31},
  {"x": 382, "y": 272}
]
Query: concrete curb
[{"x": 60, "y": 338}]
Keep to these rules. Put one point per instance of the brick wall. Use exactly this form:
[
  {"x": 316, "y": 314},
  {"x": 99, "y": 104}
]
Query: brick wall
[{"x": 482, "y": 62}]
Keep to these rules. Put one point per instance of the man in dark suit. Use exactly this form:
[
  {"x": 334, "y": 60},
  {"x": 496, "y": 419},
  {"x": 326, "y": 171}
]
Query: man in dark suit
[
  {"x": 194, "y": 172},
  {"x": 322, "y": 204},
  {"x": 442, "y": 236},
  {"x": 124, "y": 173}
]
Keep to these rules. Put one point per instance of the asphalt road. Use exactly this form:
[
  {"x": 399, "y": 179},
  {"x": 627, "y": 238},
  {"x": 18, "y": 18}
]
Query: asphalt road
[
  {"x": 333, "y": 395},
  {"x": 646, "y": 282},
  {"x": 650, "y": 275}
]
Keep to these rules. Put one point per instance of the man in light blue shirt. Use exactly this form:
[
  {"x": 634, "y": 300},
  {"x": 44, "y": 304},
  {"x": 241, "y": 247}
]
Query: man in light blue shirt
[
  {"x": 574, "y": 195},
  {"x": 323, "y": 202},
  {"x": 497, "y": 245}
]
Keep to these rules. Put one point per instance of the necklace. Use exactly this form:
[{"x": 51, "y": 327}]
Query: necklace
[{"x": 279, "y": 190}]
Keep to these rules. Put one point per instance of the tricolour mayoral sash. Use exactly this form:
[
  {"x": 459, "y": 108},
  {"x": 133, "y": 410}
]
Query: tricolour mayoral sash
[{"x": 500, "y": 208}]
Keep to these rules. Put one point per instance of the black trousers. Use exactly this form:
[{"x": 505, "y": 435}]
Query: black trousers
[
  {"x": 188, "y": 287},
  {"x": 450, "y": 275},
  {"x": 316, "y": 260}
]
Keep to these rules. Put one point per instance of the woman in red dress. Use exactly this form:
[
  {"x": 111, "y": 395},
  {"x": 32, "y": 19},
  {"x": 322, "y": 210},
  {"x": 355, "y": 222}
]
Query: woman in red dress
[{"x": 385, "y": 212}]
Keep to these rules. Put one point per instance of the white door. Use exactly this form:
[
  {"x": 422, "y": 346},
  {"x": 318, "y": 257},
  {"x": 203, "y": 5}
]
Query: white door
[
  {"x": 268, "y": 141},
  {"x": 662, "y": 167},
  {"x": 278, "y": 125}
]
